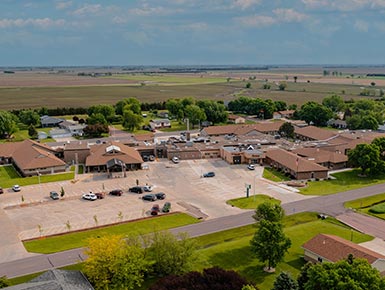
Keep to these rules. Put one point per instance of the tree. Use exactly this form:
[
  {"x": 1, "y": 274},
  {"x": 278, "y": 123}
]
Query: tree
[
  {"x": 295, "y": 78},
  {"x": 284, "y": 281},
  {"x": 131, "y": 121},
  {"x": 131, "y": 104},
  {"x": 334, "y": 102},
  {"x": 95, "y": 130},
  {"x": 107, "y": 111},
  {"x": 29, "y": 117},
  {"x": 372, "y": 84},
  {"x": 4, "y": 282},
  {"x": 115, "y": 263},
  {"x": 7, "y": 124},
  {"x": 213, "y": 278},
  {"x": 280, "y": 105},
  {"x": 175, "y": 107},
  {"x": 312, "y": 112},
  {"x": 303, "y": 276},
  {"x": 195, "y": 114},
  {"x": 286, "y": 130},
  {"x": 357, "y": 274},
  {"x": 248, "y": 86},
  {"x": 380, "y": 143},
  {"x": 171, "y": 254},
  {"x": 269, "y": 243},
  {"x": 369, "y": 122},
  {"x": 282, "y": 86},
  {"x": 215, "y": 112},
  {"x": 367, "y": 157},
  {"x": 32, "y": 131},
  {"x": 96, "y": 118},
  {"x": 62, "y": 192}
]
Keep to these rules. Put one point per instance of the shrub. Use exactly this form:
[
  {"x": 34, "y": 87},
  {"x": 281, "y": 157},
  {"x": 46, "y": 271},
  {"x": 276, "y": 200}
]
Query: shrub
[{"x": 378, "y": 208}]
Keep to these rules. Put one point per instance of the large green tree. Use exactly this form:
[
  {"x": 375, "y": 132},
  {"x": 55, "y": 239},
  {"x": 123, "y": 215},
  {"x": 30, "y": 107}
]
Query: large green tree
[
  {"x": 172, "y": 254},
  {"x": 334, "y": 103},
  {"x": 129, "y": 103},
  {"x": 29, "y": 117},
  {"x": 215, "y": 112},
  {"x": 107, "y": 111},
  {"x": 285, "y": 281},
  {"x": 8, "y": 124},
  {"x": 195, "y": 114},
  {"x": 269, "y": 243},
  {"x": 286, "y": 130},
  {"x": 131, "y": 121},
  {"x": 317, "y": 114},
  {"x": 367, "y": 157},
  {"x": 355, "y": 274},
  {"x": 96, "y": 118},
  {"x": 115, "y": 263}
]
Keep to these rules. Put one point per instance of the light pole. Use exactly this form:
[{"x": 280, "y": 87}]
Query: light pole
[{"x": 38, "y": 176}]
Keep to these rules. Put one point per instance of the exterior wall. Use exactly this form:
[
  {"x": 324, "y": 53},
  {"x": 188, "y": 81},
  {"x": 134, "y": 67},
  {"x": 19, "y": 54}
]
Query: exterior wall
[
  {"x": 76, "y": 156},
  {"x": 311, "y": 257},
  {"x": 48, "y": 170},
  {"x": 210, "y": 154},
  {"x": 184, "y": 155},
  {"x": 228, "y": 156},
  {"x": 335, "y": 166}
]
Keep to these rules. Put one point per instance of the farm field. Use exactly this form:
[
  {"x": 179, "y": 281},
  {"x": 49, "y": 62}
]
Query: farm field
[{"x": 32, "y": 90}]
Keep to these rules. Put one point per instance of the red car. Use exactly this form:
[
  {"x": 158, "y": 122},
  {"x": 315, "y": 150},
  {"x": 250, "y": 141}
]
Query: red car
[
  {"x": 117, "y": 192},
  {"x": 155, "y": 209}
]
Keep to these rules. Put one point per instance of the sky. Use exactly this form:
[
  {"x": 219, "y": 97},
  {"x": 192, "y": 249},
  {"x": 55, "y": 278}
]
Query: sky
[{"x": 191, "y": 32}]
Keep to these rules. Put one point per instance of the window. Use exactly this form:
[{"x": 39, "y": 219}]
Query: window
[{"x": 320, "y": 259}]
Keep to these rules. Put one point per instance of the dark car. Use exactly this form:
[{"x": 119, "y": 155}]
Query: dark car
[
  {"x": 149, "y": 197},
  {"x": 155, "y": 209},
  {"x": 136, "y": 189},
  {"x": 117, "y": 192},
  {"x": 209, "y": 174},
  {"x": 54, "y": 195},
  {"x": 100, "y": 195},
  {"x": 160, "y": 195},
  {"x": 166, "y": 207}
]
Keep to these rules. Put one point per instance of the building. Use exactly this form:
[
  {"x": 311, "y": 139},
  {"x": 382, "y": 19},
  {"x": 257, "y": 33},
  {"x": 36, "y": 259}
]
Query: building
[
  {"x": 312, "y": 133},
  {"x": 47, "y": 121},
  {"x": 160, "y": 123},
  {"x": 288, "y": 114},
  {"x": 76, "y": 152},
  {"x": 331, "y": 159},
  {"x": 236, "y": 119},
  {"x": 295, "y": 166},
  {"x": 113, "y": 157},
  {"x": 330, "y": 248},
  {"x": 242, "y": 155}
]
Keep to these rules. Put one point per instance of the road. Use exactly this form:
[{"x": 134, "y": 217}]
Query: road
[{"x": 331, "y": 205}]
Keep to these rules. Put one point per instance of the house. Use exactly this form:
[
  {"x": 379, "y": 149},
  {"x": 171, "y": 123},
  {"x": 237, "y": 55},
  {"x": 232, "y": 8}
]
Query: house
[
  {"x": 288, "y": 114},
  {"x": 163, "y": 114},
  {"x": 160, "y": 123},
  {"x": 42, "y": 135},
  {"x": 339, "y": 124},
  {"x": 47, "y": 121},
  {"x": 73, "y": 128},
  {"x": 31, "y": 158},
  {"x": 236, "y": 119},
  {"x": 56, "y": 280},
  {"x": 113, "y": 157},
  {"x": 330, "y": 248},
  {"x": 59, "y": 133},
  {"x": 294, "y": 165}
]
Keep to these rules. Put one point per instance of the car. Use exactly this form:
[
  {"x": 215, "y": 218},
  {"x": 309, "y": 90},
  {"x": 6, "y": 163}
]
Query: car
[
  {"x": 147, "y": 188},
  {"x": 100, "y": 195},
  {"x": 160, "y": 195},
  {"x": 117, "y": 192},
  {"x": 89, "y": 196},
  {"x": 166, "y": 207},
  {"x": 175, "y": 159},
  {"x": 209, "y": 174},
  {"x": 16, "y": 188},
  {"x": 149, "y": 197},
  {"x": 1, "y": 190},
  {"x": 251, "y": 167},
  {"x": 152, "y": 158},
  {"x": 54, "y": 195},
  {"x": 155, "y": 209},
  {"x": 136, "y": 189}
]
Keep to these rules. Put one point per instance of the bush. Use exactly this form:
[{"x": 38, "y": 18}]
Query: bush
[{"x": 378, "y": 208}]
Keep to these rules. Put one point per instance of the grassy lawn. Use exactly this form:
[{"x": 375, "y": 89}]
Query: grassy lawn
[
  {"x": 9, "y": 176},
  {"x": 231, "y": 250},
  {"x": 79, "y": 239},
  {"x": 344, "y": 181},
  {"x": 252, "y": 202},
  {"x": 364, "y": 204},
  {"x": 274, "y": 175}
]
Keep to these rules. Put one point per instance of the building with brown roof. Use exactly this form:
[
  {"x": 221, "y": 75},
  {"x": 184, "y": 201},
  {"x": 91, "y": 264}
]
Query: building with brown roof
[
  {"x": 332, "y": 160},
  {"x": 236, "y": 119},
  {"x": 294, "y": 165},
  {"x": 330, "y": 248},
  {"x": 112, "y": 157},
  {"x": 76, "y": 152},
  {"x": 31, "y": 158},
  {"x": 283, "y": 114},
  {"x": 310, "y": 133}
]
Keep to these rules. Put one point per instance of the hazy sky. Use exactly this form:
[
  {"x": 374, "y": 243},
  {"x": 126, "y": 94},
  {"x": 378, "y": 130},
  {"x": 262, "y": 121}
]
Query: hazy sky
[{"x": 197, "y": 32}]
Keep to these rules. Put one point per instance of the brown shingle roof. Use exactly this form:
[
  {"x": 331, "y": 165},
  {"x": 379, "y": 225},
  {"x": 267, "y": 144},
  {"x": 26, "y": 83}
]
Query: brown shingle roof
[
  {"x": 321, "y": 156},
  {"x": 242, "y": 129},
  {"x": 334, "y": 248},
  {"x": 289, "y": 160},
  {"x": 100, "y": 156},
  {"x": 7, "y": 149},
  {"x": 31, "y": 155},
  {"x": 314, "y": 133}
]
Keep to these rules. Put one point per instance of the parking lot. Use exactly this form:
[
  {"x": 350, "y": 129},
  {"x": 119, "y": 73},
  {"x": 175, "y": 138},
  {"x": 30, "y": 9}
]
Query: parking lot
[{"x": 183, "y": 184}]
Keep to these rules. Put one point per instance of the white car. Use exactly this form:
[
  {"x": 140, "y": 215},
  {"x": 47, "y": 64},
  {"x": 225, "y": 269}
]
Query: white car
[
  {"x": 175, "y": 159},
  {"x": 89, "y": 196},
  {"x": 251, "y": 167},
  {"x": 147, "y": 188},
  {"x": 16, "y": 188}
]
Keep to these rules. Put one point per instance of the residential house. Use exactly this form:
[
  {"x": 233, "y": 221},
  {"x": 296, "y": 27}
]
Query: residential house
[
  {"x": 163, "y": 114},
  {"x": 330, "y": 248},
  {"x": 294, "y": 165},
  {"x": 47, "y": 121},
  {"x": 287, "y": 114},
  {"x": 160, "y": 123},
  {"x": 236, "y": 119},
  {"x": 339, "y": 124},
  {"x": 73, "y": 128}
]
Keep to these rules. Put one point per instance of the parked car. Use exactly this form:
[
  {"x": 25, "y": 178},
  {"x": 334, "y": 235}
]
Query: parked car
[
  {"x": 136, "y": 189},
  {"x": 117, "y": 192},
  {"x": 160, "y": 195},
  {"x": 209, "y": 174},
  {"x": 155, "y": 209},
  {"x": 16, "y": 188},
  {"x": 149, "y": 197},
  {"x": 166, "y": 207},
  {"x": 152, "y": 158},
  {"x": 251, "y": 167},
  {"x": 147, "y": 188},
  {"x": 1, "y": 190},
  {"x": 89, "y": 196},
  {"x": 175, "y": 159},
  {"x": 54, "y": 195},
  {"x": 100, "y": 195}
]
